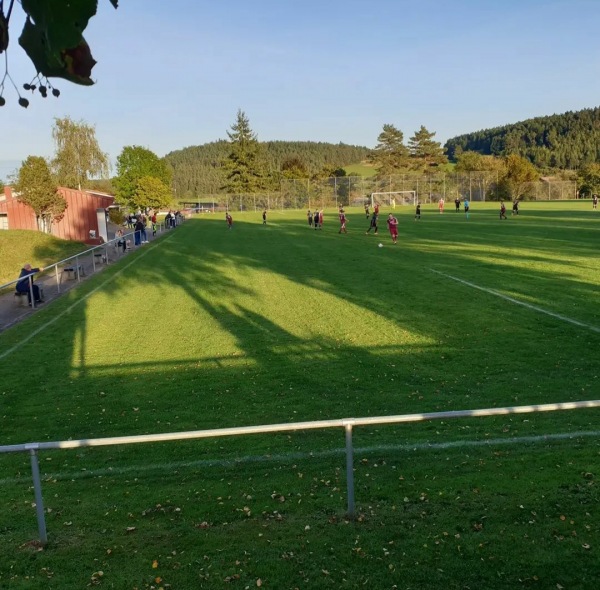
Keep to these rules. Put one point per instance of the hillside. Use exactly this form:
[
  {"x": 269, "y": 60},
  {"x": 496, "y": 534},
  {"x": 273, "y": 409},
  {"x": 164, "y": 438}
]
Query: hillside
[
  {"x": 570, "y": 140},
  {"x": 197, "y": 169}
]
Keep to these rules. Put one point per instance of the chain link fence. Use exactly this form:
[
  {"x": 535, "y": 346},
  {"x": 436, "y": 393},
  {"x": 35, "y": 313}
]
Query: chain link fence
[{"x": 304, "y": 193}]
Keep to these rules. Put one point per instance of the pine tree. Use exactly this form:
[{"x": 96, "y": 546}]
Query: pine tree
[
  {"x": 424, "y": 150},
  {"x": 244, "y": 165},
  {"x": 390, "y": 154}
]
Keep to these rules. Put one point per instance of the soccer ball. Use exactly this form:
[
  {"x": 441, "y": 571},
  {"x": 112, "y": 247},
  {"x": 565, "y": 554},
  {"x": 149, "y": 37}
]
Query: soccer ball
[{"x": 380, "y": 245}]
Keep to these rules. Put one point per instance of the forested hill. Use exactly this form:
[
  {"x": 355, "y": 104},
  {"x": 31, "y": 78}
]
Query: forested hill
[
  {"x": 570, "y": 140},
  {"x": 197, "y": 169}
]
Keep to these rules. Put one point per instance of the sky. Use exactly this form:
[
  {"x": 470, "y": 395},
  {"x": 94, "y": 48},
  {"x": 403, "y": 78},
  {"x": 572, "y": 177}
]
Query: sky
[{"x": 174, "y": 74}]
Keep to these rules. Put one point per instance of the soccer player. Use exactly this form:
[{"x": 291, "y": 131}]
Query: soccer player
[
  {"x": 229, "y": 220},
  {"x": 376, "y": 208},
  {"x": 441, "y": 205},
  {"x": 457, "y": 205},
  {"x": 502, "y": 210},
  {"x": 367, "y": 210},
  {"x": 342, "y": 222},
  {"x": 309, "y": 216},
  {"x": 515, "y": 208},
  {"x": 467, "y": 208},
  {"x": 393, "y": 227},
  {"x": 418, "y": 211},
  {"x": 265, "y": 217},
  {"x": 373, "y": 224},
  {"x": 594, "y": 201}
]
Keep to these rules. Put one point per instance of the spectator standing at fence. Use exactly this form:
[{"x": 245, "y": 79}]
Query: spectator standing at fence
[
  {"x": 467, "y": 205},
  {"x": 456, "y": 205},
  {"x": 121, "y": 242},
  {"x": 24, "y": 286},
  {"x": 153, "y": 220},
  {"x": 139, "y": 226}
]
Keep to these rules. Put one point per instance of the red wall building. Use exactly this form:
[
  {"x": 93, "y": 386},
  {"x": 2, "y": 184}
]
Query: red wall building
[{"x": 79, "y": 219}]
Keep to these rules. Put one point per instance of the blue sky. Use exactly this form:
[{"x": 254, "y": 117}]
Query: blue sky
[{"x": 173, "y": 74}]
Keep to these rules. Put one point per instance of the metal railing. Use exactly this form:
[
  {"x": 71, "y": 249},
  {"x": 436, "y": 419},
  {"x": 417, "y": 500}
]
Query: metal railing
[
  {"x": 346, "y": 423},
  {"x": 75, "y": 264}
]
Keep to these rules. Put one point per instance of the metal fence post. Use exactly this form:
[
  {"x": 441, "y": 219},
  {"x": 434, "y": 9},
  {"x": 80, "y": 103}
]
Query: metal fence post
[
  {"x": 349, "y": 469},
  {"x": 39, "y": 500}
]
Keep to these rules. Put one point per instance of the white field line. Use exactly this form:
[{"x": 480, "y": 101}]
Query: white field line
[
  {"x": 517, "y": 302},
  {"x": 288, "y": 457},
  {"x": 76, "y": 303}
]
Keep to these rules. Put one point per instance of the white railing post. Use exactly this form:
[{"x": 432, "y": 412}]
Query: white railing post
[
  {"x": 349, "y": 468},
  {"x": 39, "y": 500}
]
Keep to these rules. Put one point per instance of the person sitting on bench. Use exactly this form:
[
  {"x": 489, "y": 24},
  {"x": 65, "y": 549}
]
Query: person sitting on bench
[{"x": 23, "y": 285}]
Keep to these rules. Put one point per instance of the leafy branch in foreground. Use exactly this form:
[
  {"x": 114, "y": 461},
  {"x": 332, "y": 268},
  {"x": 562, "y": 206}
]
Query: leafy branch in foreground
[{"x": 52, "y": 37}]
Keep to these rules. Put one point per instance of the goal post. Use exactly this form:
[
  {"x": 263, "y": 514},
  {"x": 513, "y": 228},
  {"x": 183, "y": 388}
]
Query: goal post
[{"x": 394, "y": 198}]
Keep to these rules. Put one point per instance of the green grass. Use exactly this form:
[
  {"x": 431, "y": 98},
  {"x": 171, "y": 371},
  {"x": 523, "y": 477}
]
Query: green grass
[
  {"x": 361, "y": 169},
  {"x": 18, "y": 247},
  {"x": 211, "y": 328}
]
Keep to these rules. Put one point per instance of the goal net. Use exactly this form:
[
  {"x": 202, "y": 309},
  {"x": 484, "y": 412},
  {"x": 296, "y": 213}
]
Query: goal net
[{"x": 391, "y": 199}]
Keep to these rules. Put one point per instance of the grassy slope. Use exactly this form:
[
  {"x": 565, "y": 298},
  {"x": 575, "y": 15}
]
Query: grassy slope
[
  {"x": 360, "y": 169},
  {"x": 213, "y": 328},
  {"x": 18, "y": 247}
]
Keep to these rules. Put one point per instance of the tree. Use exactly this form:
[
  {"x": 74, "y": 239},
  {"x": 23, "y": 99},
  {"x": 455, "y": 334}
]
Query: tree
[
  {"x": 390, "y": 154},
  {"x": 78, "y": 156},
  {"x": 424, "y": 150},
  {"x": 53, "y": 40},
  {"x": 134, "y": 163},
  {"x": 244, "y": 164},
  {"x": 151, "y": 193},
  {"x": 519, "y": 173},
  {"x": 589, "y": 179},
  {"x": 36, "y": 188},
  {"x": 294, "y": 167}
]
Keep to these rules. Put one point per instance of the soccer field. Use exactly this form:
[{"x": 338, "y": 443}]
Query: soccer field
[{"x": 209, "y": 328}]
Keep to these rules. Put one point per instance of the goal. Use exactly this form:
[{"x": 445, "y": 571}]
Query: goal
[{"x": 394, "y": 198}]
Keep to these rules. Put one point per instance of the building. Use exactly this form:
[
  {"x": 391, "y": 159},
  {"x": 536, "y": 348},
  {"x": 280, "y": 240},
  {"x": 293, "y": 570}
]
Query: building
[{"x": 84, "y": 219}]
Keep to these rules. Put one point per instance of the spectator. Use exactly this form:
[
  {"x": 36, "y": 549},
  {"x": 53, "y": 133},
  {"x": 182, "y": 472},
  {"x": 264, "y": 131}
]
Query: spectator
[{"x": 24, "y": 285}]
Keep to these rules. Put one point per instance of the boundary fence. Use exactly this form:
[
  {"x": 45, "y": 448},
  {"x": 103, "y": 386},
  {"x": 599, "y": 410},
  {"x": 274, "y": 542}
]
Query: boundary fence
[
  {"x": 346, "y": 423},
  {"x": 75, "y": 266},
  {"x": 306, "y": 193}
]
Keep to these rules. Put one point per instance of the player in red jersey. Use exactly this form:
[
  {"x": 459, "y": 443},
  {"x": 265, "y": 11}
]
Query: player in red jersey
[
  {"x": 342, "y": 222},
  {"x": 393, "y": 227},
  {"x": 229, "y": 220}
]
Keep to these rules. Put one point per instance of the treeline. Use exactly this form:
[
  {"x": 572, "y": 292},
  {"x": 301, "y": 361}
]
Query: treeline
[
  {"x": 199, "y": 169},
  {"x": 567, "y": 141}
]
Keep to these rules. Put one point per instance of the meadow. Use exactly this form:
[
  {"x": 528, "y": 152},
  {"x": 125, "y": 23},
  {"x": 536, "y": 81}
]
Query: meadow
[{"x": 208, "y": 328}]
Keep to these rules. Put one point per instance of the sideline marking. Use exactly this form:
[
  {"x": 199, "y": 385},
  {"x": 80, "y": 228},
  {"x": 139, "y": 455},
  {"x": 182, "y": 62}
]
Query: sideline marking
[
  {"x": 251, "y": 459},
  {"x": 512, "y": 300},
  {"x": 72, "y": 306}
]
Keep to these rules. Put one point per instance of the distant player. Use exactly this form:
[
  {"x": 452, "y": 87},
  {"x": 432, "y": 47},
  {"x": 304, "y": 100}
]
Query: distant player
[
  {"x": 594, "y": 201},
  {"x": 373, "y": 224},
  {"x": 367, "y": 210},
  {"x": 376, "y": 208},
  {"x": 229, "y": 220},
  {"x": 467, "y": 205},
  {"x": 456, "y": 205},
  {"x": 392, "y": 223},
  {"x": 515, "y": 207},
  {"x": 418, "y": 212},
  {"x": 321, "y": 219},
  {"x": 309, "y": 216},
  {"x": 502, "y": 210},
  {"x": 264, "y": 217},
  {"x": 342, "y": 222},
  {"x": 441, "y": 205}
]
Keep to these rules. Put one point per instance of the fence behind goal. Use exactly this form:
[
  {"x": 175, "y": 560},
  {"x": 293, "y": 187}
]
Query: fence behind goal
[{"x": 327, "y": 193}]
